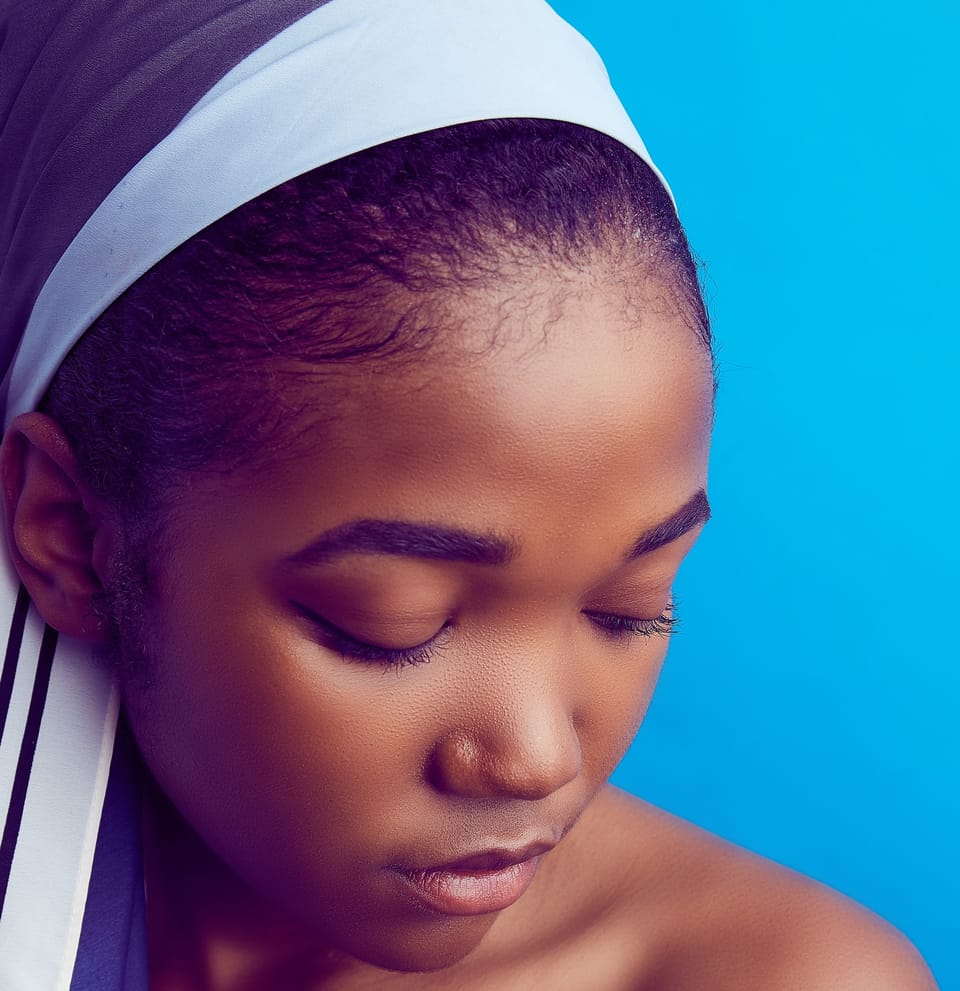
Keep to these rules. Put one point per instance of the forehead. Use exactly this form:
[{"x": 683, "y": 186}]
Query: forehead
[
  {"x": 550, "y": 415},
  {"x": 581, "y": 373}
]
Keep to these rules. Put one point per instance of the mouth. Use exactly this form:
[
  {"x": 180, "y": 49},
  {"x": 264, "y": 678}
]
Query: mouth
[{"x": 479, "y": 883}]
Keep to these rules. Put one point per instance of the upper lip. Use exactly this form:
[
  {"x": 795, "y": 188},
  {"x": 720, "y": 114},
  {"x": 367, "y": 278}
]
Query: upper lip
[{"x": 491, "y": 859}]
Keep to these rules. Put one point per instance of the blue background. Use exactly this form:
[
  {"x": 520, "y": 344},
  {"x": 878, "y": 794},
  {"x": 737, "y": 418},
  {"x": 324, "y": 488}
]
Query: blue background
[{"x": 808, "y": 709}]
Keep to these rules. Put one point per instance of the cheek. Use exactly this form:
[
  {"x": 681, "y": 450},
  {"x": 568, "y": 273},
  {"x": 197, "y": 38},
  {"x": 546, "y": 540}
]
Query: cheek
[
  {"x": 264, "y": 743},
  {"x": 619, "y": 697}
]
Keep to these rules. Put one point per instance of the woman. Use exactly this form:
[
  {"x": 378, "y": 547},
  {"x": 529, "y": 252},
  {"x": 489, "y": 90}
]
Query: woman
[{"x": 358, "y": 513}]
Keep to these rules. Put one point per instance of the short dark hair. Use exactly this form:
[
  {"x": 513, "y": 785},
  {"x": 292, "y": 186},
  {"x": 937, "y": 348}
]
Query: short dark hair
[{"x": 171, "y": 377}]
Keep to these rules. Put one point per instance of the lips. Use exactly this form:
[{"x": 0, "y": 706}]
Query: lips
[{"x": 487, "y": 881}]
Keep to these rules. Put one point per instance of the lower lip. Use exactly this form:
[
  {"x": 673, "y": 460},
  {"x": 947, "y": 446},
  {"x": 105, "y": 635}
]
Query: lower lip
[{"x": 465, "y": 893}]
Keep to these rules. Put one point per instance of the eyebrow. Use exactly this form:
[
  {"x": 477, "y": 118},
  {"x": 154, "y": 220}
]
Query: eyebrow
[
  {"x": 438, "y": 543},
  {"x": 692, "y": 513},
  {"x": 444, "y": 543}
]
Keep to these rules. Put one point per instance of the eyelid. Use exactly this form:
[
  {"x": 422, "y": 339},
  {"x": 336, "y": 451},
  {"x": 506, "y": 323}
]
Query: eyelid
[
  {"x": 615, "y": 626},
  {"x": 354, "y": 648},
  {"x": 619, "y": 626}
]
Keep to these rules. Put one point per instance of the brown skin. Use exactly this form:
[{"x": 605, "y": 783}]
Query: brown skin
[{"x": 298, "y": 778}]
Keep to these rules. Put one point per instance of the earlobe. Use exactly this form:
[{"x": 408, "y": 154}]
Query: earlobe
[{"x": 50, "y": 525}]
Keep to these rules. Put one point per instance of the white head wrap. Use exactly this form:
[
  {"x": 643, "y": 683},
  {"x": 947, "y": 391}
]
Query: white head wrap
[{"x": 330, "y": 78}]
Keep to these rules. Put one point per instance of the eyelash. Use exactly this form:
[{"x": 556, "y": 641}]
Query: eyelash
[
  {"x": 359, "y": 650},
  {"x": 621, "y": 627},
  {"x": 612, "y": 625}
]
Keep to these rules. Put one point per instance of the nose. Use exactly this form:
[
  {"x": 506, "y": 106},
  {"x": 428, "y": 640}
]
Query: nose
[{"x": 521, "y": 745}]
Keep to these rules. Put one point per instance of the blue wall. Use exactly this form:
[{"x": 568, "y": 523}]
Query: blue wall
[{"x": 809, "y": 706}]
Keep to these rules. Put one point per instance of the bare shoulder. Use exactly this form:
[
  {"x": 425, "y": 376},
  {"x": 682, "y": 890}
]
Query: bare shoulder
[{"x": 703, "y": 913}]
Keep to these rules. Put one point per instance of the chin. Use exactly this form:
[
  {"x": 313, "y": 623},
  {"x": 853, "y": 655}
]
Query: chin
[{"x": 432, "y": 948}]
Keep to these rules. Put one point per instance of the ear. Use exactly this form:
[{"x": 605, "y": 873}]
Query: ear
[{"x": 51, "y": 525}]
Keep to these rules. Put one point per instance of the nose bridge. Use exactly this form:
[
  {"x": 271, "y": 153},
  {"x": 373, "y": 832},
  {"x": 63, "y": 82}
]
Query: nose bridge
[{"x": 516, "y": 735}]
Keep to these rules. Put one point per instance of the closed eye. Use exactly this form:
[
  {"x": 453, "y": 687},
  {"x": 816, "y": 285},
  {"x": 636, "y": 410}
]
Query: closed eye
[
  {"x": 619, "y": 627},
  {"x": 612, "y": 625},
  {"x": 353, "y": 648}
]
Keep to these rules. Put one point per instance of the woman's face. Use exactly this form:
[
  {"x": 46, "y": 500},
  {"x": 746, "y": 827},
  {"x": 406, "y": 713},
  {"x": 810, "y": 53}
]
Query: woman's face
[{"x": 427, "y": 639}]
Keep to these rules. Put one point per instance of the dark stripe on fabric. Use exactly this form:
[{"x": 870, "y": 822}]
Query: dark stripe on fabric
[
  {"x": 88, "y": 88},
  {"x": 18, "y": 797},
  {"x": 12, "y": 656}
]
